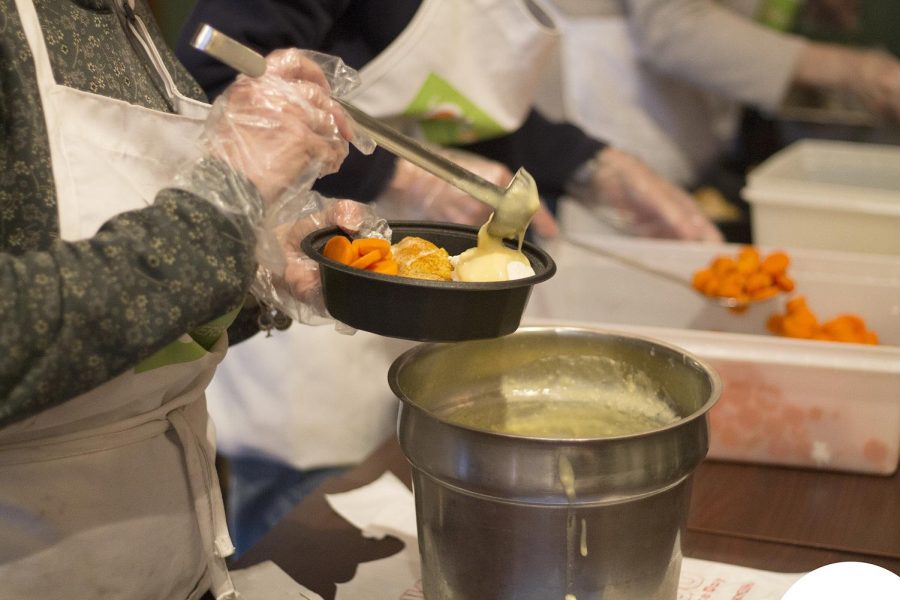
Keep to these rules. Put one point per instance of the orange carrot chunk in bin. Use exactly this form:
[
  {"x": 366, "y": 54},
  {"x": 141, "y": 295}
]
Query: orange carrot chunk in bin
[
  {"x": 702, "y": 278},
  {"x": 748, "y": 276},
  {"x": 340, "y": 249},
  {"x": 784, "y": 283},
  {"x": 775, "y": 263},
  {"x": 748, "y": 260},
  {"x": 799, "y": 321},
  {"x": 764, "y": 293}
]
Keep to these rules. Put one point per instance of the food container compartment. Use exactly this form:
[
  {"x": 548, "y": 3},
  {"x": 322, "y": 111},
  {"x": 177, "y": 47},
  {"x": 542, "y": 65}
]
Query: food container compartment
[
  {"x": 423, "y": 310},
  {"x": 802, "y": 403},
  {"x": 829, "y": 195}
]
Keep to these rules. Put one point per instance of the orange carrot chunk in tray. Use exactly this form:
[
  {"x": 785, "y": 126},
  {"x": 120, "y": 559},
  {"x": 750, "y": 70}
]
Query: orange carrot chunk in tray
[
  {"x": 369, "y": 258},
  {"x": 370, "y": 254},
  {"x": 365, "y": 245},
  {"x": 340, "y": 249},
  {"x": 386, "y": 267}
]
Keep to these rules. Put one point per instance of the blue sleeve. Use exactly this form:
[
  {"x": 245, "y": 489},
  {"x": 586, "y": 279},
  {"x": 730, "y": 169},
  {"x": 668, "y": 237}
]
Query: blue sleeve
[
  {"x": 550, "y": 151},
  {"x": 267, "y": 25},
  {"x": 264, "y": 25}
]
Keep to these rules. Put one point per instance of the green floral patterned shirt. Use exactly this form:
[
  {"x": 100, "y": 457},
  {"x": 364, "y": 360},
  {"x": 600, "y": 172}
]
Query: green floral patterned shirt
[{"x": 76, "y": 314}]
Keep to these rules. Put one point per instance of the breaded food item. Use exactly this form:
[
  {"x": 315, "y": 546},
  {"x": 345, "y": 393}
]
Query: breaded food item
[{"x": 421, "y": 259}]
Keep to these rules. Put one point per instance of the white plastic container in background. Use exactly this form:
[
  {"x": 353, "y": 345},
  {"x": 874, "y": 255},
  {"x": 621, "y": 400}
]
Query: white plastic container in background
[
  {"x": 828, "y": 195},
  {"x": 804, "y": 403}
]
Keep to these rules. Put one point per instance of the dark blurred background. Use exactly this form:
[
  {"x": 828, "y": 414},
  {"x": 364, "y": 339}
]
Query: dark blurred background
[{"x": 878, "y": 23}]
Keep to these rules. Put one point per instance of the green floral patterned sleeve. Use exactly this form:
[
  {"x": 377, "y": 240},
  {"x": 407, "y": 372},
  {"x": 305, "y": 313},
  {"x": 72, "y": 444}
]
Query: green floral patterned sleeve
[{"x": 76, "y": 315}]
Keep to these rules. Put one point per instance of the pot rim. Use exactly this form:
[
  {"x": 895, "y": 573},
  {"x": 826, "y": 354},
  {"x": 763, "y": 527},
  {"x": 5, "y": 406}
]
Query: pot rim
[{"x": 431, "y": 347}]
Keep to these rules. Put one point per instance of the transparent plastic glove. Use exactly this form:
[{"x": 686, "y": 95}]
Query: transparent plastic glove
[
  {"x": 878, "y": 83},
  {"x": 288, "y": 279},
  {"x": 280, "y": 130},
  {"x": 873, "y": 76},
  {"x": 416, "y": 194},
  {"x": 266, "y": 141},
  {"x": 630, "y": 196},
  {"x": 272, "y": 136}
]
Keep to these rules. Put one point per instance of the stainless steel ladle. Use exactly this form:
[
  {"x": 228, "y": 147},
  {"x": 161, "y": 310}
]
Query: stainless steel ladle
[
  {"x": 514, "y": 206},
  {"x": 727, "y": 302}
]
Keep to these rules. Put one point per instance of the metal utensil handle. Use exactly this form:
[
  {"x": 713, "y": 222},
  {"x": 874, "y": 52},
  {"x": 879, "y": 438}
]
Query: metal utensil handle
[
  {"x": 406, "y": 147},
  {"x": 230, "y": 51},
  {"x": 726, "y": 301},
  {"x": 630, "y": 262},
  {"x": 245, "y": 60}
]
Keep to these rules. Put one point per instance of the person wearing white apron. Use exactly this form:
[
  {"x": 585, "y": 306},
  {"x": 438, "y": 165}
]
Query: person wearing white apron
[
  {"x": 109, "y": 157},
  {"x": 349, "y": 409},
  {"x": 666, "y": 80},
  {"x": 114, "y": 493},
  {"x": 606, "y": 81},
  {"x": 461, "y": 74}
]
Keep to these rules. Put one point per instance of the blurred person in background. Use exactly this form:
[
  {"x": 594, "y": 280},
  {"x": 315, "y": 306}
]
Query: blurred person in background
[
  {"x": 461, "y": 76},
  {"x": 666, "y": 80},
  {"x": 130, "y": 219},
  {"x": 468, "y": 87}
]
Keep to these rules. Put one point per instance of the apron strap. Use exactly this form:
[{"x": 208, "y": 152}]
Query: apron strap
[
  {"x": 208, "y": 505},
  {"x": 41, "y": 58},
  {"x": 181, "y": 103}
]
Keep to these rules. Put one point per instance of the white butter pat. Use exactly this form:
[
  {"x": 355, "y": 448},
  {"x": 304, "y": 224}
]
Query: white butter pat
[
  {"x": 518, "y": 270},
  {"x": 489, "y": 267},
  {"x": 490, "y": 260}
]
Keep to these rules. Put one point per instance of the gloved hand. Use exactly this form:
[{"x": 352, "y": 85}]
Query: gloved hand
[
  {"x": 630, "y": 196},
  {"x": 873, "y": 76},
  {"x": 416, "y": 194},
  {"x": 877, "y": 83},
  {"x": 266, "y": 141},
  {"x": 290, "y": 281},
  {"x": 281, "y": 130}
]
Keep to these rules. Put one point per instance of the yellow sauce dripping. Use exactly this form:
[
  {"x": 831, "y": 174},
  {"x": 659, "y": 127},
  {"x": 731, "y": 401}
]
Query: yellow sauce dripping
[
  {"x": 584, "y": 547},
  {"x": 567, "y": 477},
  {"x": 492, "y": 260}
]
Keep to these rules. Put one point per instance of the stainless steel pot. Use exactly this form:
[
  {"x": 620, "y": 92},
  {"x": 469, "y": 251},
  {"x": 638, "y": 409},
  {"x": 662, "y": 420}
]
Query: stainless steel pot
[{"x": 507, "y": 517}]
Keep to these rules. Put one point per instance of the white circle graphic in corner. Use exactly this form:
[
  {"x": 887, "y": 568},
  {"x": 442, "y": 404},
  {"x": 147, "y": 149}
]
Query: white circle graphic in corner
[{"x": 846, "y": 580}]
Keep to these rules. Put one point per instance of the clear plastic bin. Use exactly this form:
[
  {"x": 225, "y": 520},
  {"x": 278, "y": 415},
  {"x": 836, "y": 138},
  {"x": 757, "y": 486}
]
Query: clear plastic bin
[
  {"x": 828, "y": 195},
  {"x": 824, "y": 405}
]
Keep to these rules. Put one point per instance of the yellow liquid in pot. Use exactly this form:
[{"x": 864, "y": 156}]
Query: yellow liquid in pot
[
  {"x": 566, "y": 419},
  {"x": 568, "y": 397}
]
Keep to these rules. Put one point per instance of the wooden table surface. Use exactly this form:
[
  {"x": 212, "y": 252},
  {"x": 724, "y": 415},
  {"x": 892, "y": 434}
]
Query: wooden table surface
[{"x": 772, "y": 518}]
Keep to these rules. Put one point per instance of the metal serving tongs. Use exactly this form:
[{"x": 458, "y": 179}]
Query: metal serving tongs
[{"x": 513, "y": 206}]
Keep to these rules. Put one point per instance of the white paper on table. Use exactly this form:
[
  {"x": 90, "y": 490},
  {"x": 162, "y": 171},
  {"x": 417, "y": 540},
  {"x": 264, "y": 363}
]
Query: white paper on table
[
  {"x": 266, "y": 581},
  {"x": 707, "y": 580},
  {"x": 383, "y": 507},
  {"x": 387, "y": 507}
]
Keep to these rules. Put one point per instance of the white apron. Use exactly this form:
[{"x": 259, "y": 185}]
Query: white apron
[
  {"x": 326, "y": 410},
  {"x": 455, "y": 74},
  {"x": 598, "y": 83},
  {"x": 114, "y": 494}
]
